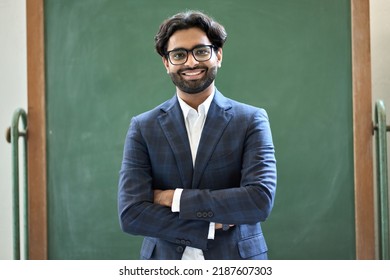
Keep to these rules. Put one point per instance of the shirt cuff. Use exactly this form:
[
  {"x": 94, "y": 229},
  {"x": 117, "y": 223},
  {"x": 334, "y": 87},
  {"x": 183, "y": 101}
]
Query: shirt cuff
[
  {"x": 176, "y": 200},
  {"x": 211, "y": 231}
]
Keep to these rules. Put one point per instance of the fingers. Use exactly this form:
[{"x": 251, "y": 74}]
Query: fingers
[
  {"x": 157, "y": 196},
  {"x": 223, "y": 226},
  {"x": 163, "y": 197}
]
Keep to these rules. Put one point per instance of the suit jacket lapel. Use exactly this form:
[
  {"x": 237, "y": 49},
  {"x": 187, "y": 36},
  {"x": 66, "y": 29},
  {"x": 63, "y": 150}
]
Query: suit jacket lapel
[
  {"x": 218, "y": 118},
  {"x": 172, "y": 124}
]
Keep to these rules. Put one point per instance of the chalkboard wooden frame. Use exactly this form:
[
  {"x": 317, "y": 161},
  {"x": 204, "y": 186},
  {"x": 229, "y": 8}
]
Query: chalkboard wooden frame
[
  {"x": 362, "y": 112},
  {"x": 36, "y": 121},
  {"x": 362, "y": 122}
]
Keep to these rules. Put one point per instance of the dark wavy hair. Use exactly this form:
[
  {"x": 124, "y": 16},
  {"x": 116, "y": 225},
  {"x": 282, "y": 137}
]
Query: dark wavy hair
[{"x": 185, "y": 20}]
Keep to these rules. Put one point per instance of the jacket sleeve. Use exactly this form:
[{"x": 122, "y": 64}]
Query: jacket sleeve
[
  {"x": 252, "y": 201},
  {"x": 138, "y": 214}
]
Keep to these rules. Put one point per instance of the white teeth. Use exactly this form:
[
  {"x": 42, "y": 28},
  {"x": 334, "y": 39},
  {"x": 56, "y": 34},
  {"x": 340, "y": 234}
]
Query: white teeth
[{"x": 192, "y": 73}]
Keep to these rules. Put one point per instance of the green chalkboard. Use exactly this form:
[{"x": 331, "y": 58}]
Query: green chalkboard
[{"x": 292, "y": 58}]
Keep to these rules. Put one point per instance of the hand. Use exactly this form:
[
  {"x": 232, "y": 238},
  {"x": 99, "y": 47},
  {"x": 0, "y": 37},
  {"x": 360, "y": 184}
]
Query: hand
[
  {"x": 219, "y": 226},
  {"x": 163, "y": 197}
]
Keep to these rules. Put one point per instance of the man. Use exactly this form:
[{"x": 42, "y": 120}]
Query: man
[{"x": 198, "y": 172}]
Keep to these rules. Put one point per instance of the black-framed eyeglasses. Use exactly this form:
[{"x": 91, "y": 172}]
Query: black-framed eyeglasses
[{"x": 201, "y": 53}]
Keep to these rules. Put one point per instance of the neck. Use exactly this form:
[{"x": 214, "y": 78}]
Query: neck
[{"x": 195, "y": 99}]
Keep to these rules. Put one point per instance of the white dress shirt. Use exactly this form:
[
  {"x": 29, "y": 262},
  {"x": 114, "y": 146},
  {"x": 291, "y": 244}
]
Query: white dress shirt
[{"x": 194, "y": 121}]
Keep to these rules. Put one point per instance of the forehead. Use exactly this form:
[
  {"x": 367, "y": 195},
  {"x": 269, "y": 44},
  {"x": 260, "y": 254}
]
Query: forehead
[{"x": 187, "y": 38}]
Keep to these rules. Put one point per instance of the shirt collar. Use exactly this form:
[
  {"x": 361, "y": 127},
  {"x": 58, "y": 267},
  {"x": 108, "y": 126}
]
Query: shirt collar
[{"x": 204, "y": 106}]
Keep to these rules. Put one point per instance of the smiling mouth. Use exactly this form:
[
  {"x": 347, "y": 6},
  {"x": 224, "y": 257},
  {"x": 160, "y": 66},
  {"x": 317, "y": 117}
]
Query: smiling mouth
[{"x": 192, "y": 73}]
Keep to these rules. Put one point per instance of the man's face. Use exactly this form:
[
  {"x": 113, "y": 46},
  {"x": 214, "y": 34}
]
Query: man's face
[{"x": 193, "y": 76}]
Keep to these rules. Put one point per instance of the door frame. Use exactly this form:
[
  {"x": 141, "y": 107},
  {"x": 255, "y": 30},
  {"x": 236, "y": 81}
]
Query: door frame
[{"x": 362, "y": 130}]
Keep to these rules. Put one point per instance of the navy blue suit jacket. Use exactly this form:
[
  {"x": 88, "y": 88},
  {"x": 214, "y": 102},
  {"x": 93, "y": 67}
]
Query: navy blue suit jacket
[{"x": 233, "y": 181}]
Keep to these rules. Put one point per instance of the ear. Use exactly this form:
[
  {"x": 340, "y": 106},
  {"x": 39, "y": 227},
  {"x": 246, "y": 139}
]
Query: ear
[
  {"x": 219, "y": 57},
  {"x": 166, "y": 63}
]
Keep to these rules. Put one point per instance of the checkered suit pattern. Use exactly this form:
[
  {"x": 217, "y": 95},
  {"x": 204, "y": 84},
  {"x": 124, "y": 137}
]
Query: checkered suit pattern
[{"x": 233, "y": 181}]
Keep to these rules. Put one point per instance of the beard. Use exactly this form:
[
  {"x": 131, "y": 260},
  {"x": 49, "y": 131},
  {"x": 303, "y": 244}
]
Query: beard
[{"x": 194, "y": 86}]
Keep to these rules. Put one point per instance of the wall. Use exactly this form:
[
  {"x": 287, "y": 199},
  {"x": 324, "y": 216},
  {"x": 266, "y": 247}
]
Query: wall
[
  {"x": 380, "y": 58},
  {"x": 13, "y": 94}
]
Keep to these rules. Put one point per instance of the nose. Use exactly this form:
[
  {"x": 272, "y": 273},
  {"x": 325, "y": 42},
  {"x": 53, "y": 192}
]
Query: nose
[{"x": 191, "y": 61}]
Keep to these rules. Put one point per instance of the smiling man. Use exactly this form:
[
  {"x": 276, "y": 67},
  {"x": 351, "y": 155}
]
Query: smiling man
[{"x": 198, "y": 174}]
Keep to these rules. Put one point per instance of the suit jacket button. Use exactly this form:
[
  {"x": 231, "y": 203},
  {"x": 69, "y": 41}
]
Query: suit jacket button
[
  {"x": 179, "y": 249},
  {"x": 183, "y": 242},
  {"x": 210, "y": 214},
  {"x": 199, "y": 214},
  {"x": 178, "y": 241},
  {"x": 188, "y": 243},
  {"x": 205, "y": 215}
]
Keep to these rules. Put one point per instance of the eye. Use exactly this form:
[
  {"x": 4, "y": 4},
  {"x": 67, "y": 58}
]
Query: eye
[
  {"x": 178, "y": 55},
  {"x": 203, "y": 51}
]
